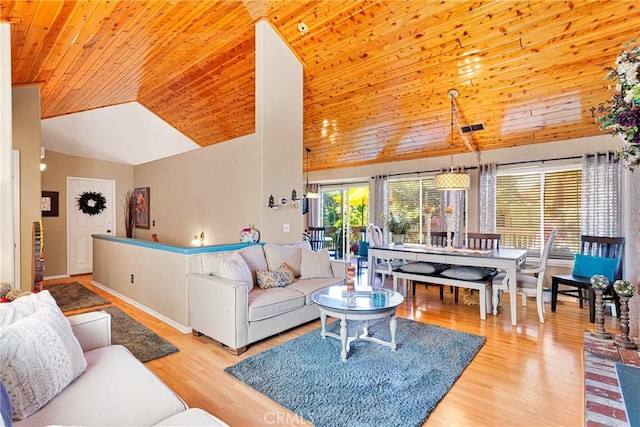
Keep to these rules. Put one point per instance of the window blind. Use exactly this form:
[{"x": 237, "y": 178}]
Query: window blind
[
  {"x": 518, "y": 208},
  {"x": 408, "y": 197},
  {"x": 529, "y": 205}
]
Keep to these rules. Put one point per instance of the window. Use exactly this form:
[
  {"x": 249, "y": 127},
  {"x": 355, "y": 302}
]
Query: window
[
  {"x": 408, "y": 197},
  {"x": 530, "y": 204}
]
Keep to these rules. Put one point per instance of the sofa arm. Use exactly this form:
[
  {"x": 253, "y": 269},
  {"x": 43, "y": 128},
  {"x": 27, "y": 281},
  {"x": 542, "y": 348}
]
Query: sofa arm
[
  {"x": 339, "y": 268},
  {"x": 92, "y": 329},
  {"x": 219, "y": 308}
]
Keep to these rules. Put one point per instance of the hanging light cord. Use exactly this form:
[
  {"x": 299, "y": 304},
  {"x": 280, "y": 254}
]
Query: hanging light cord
[{"x": 453, "y": 93}]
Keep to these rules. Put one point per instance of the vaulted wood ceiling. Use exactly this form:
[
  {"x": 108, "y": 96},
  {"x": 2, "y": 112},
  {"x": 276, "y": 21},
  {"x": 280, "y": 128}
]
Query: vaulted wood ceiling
[{"x": 376, "y": 73}]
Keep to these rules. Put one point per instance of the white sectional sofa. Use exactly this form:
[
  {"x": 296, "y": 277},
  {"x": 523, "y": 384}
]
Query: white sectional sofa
[
  {"x": 64, "y": 371},
  {"x": 231, "y": 308}
]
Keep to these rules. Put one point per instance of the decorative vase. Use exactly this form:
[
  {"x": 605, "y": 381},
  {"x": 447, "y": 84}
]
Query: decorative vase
[
  {"x": 398, "y": 239},
  {"x": 449, "y": 227},
  {"x": 428, "y": 224},
  {"x": 625, "y": 290},
  {"x": 599, "y": 283}
]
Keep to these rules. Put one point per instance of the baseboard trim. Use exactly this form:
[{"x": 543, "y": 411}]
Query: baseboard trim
[
  {"x": 58, "y": 276},
  {"x": 182, "y": 328}
]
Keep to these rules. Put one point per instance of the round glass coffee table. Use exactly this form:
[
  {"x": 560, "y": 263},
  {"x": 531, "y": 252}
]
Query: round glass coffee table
[{"x": 336, "y": 301}]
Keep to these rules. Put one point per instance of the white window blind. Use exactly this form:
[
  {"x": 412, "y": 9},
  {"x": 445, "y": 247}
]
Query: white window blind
[
  {"x": 529, "y": 205},
  {"x": 408, "y": 198}
]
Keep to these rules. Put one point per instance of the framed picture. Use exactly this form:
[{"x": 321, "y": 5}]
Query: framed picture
[
  {"x": 142, "y": 196},
  {"x": 49, "y": 203}
]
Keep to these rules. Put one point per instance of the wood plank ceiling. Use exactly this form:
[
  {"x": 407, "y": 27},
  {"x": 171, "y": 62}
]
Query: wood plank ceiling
[{"x": 376, "y": 73}]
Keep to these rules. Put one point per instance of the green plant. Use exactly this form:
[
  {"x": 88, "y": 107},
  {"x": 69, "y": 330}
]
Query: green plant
[
  {"x": 620, "y": 116},
  {"x": 398, "y": 224}
]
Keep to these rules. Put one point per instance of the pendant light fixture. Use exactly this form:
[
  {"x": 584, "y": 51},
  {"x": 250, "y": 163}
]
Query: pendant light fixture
[
  {"x": 452, "y": 181},
  {"x": 308, "y": 194}
]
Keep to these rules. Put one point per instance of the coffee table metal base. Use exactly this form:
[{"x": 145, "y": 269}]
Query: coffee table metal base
[{"x": 346, "y": 340}]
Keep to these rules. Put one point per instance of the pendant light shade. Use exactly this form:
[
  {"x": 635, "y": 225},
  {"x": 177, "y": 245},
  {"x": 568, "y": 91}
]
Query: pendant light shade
[
  {"x": 307, "y": 191},
  {"x": 452, "y": 181}
]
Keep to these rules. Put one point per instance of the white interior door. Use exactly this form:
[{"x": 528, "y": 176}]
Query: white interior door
[{"x": 81, "y": 226}]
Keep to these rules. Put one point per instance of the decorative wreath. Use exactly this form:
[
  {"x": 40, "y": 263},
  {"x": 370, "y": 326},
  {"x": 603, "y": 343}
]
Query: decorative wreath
[{"x": 91, "y": 203}]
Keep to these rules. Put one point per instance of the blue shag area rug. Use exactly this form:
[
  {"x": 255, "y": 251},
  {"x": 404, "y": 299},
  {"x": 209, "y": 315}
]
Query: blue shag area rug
[{"x": 375, "y": 386}]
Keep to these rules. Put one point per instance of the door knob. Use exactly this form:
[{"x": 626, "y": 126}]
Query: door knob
[{"x": 108, "y": 231}]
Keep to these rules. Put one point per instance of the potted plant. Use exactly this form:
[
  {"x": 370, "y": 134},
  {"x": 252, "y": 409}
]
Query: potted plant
[{"x": 398, "y": 225}]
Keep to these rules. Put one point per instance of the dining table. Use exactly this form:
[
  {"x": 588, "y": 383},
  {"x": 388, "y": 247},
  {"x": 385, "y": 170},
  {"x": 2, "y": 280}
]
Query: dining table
[{"x": 506, "y": 260}]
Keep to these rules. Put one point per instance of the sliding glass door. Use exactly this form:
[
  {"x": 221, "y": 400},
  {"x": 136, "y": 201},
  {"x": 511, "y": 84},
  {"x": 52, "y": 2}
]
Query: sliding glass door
[{"x": 345, "y": 215}]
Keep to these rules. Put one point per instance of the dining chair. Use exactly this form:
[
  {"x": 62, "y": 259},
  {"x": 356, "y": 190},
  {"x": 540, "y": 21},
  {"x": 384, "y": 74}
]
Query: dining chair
[
  {"x": 480, "y": 241},
  {"x": 438, "y": 238},
  {"x": 529, "y": 280},
  {"x": 483, "y": 240},
  {"x": 580, "y": 286},
  {"x": 382, "y": 266},
  {"x": 317, "y": 238}
]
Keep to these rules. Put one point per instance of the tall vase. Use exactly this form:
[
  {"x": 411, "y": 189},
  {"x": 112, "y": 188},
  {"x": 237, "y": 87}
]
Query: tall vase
[
  {"x": 428, "y": 237},
  {"x": 449, "y": 227}
]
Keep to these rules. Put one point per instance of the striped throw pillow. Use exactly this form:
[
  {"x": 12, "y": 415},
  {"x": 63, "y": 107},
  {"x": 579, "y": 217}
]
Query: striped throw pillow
[{"x": 315, "y": 264}]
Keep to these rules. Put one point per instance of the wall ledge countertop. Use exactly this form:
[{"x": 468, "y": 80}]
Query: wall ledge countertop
[{"x": 186, "y": 250}]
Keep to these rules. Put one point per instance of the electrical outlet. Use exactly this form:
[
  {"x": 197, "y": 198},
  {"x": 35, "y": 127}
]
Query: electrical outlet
[
  {"x": 286, "y": 228},
  {"x": 132, "y": 279}
]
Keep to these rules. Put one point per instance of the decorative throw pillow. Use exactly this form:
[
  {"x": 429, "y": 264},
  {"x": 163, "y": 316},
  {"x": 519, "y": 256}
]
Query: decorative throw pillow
[
  {"x": 254, "y": 257},
  {"x": 463, "y": 272},
  {"x": 208, "y": 263},
  {"x": 235, "y": 268},
  {"x": 289, "y": 254},
  {"x": 26, "y": 306},
  {"x": 587, "y": 266},
  {"x": 283, "y": 276},
  {"x": 40, "y": 357},
  {"x": 315, "y": 264},
  {"x": 422, "y": 267}
]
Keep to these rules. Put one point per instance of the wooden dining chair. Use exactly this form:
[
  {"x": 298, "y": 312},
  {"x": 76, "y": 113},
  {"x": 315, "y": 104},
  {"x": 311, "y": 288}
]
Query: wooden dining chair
[
  {"x": 481, "y": 241},
  {"x": 317, "y": 238},
  {"x": 530, "y": 280},
  {"x": 382, "y": 266},
  {"x": 580, "y": 286},
  {"x": 438, "y": 238}
]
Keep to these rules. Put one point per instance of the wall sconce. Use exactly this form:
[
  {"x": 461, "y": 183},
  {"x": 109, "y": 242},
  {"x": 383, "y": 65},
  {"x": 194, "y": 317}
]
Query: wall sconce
[
  {"x": 198, "y": 241},
  {"x": 295, "y": 199},
  {"x": 43, "y": 165}
]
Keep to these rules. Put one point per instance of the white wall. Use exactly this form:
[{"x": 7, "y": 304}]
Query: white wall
[
  {"x": 279, "y": 127},
  {"x": 6, "y": 193},
  {"x": 225, "y": 187}
]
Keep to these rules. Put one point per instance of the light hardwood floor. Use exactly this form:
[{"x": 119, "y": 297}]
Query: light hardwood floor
[{"x": 530, "y": 375}]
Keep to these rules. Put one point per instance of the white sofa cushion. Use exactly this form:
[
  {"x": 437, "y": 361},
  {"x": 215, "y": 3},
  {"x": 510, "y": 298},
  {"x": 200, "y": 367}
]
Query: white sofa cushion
[
  {"x": 315, "y": 264},
  {"x": 289, "y": 254},
  {"x": 266, "y": 303},
  {"x": 115, "y": 390},
  {"x": 309, "y": 286},
  {"x": 208, "y": 263},
  {"x": 39, "y": 356},
  {"x": 192, "y": 417},
  {"x": 236, "y": 268},
  {"x": 25, "y": 306},
  {"x": 254, "y": 257}
]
